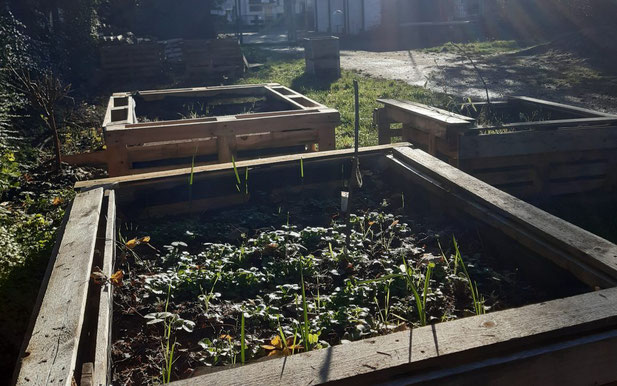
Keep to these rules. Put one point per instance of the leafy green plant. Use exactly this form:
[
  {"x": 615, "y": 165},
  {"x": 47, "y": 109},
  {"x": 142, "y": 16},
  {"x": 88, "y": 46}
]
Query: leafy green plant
[
  {"x": 171, "y": 322},
  {"x": 206, "y": 298}
]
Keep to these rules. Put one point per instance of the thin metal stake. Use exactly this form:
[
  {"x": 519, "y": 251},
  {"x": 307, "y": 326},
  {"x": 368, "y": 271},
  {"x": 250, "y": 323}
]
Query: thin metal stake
[{"x": 356, "y": 177}]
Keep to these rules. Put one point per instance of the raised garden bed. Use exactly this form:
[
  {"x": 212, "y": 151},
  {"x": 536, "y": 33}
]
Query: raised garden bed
[
  {"x": 528, "y": 147},
  {"x": 258, "y": 249},
  {"x": 165, "y": 129}
]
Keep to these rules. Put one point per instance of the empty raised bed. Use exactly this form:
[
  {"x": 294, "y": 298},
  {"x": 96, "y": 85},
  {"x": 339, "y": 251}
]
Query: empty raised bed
[
  {"x": 525, "y": 146},
  {"x": 527, "y": 295},
  {"x": 165, "y": 129}
]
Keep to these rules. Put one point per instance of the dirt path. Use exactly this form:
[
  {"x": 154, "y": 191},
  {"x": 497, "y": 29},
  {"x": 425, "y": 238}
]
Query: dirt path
[{"x": 542, "y": 73}]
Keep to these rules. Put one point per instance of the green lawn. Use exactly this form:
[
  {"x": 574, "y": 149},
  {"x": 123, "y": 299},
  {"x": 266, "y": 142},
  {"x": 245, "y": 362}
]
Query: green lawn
[{"x": 288, "y": 70}]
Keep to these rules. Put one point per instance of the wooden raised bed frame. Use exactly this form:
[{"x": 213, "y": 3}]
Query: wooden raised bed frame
[
  {"x": 564, "y": 341},
  {"x": 302, "y": 122},
  {"x": 574, "y": 152}
]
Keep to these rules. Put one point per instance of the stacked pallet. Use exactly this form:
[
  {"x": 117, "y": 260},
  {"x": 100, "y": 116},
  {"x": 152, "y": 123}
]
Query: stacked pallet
[
  {"x": 132, "y": 61},
  {"x": 323, "y": 56},
  {"x": 207, "y": 58}
]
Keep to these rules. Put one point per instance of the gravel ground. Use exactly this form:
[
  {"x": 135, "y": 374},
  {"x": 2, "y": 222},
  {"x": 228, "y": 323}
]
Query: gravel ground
[{"x": 541, "y": 72}]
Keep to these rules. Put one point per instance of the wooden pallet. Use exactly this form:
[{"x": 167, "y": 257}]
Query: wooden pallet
[
  {"x": 564, "y": 341},
  {"x": 302, "y": 122},
  {"x": 212, "y": 58},
  {"x": 130, "y": 62},
  {"x": 573, "y": 154}
]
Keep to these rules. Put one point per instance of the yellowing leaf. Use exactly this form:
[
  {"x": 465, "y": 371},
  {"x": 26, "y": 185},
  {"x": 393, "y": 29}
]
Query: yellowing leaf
[
  {"x": 132, "y": 243},
  {"x": 145, "y": 239},
  {"x": 116, "y": 278},
  {"x": 394, "y": 223},
  {"x": 268, "y": 347},
  {"x": 56, "y": 201},
  {"x": 226, "y": 336},
  {"x": 276, "y": 342},
  {"x": 98, "y": 277}
]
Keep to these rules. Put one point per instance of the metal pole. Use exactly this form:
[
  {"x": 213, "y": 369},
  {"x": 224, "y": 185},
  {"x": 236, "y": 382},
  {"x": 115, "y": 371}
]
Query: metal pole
[
  {"x": 356, "y": 177},
  {"x": 357, "y": 122}
]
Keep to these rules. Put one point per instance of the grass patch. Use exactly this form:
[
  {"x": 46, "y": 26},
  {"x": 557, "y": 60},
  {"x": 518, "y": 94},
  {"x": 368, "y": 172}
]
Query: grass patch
[
  {"x": 478, "y": 48},
  {"x": 288, "y": 70}
]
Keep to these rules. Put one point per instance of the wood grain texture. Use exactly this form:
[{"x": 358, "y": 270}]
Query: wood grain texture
[
  {"x": 535, "y": 142},
  {"x": 50, "y": 356},
  {"x": 375, "y": 360},
  {"x": 183, "y": 174},
  {"x": 102, "y": 353},
  {"x": 580, "y": 247}
]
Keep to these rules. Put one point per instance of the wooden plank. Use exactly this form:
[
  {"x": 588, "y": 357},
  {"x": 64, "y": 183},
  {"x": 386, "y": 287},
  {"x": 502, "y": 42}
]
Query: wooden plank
[
  {"x": 223, "y": 126},
  {"x": 172, "y": 149},
  {"x": 185, "y": 172},
  {"x": 327, "y": 138},
  {"x": 482, "y": 163},
  {"x": 581, "y": 123},
  {"x": 429, "y": 112},
  {"x": 499, "y": 177},
  {"x": 576, "y": 186},
  {"x": 92, "y": 158},
  {"x": 87, "y": 374},
  {"x": 582, "y": 361},
  {"x": 283, "y": 98},
  {"x": 226, "y": 147},
  {"x": 432, "y": 122},
  {"x": 171, "y": 122},
  {"x": 589, "y": 257},
  {"x": 252, "y": 89},
  {"x": 51, "y": 354},
  {"x": 535, "y": 142},
  {"x": 561, "y": 107},
  {"x": 102, "y": 354},
  {"x": 375, "y": 360},
  {"x": 575, "y": 170},
  {"x": 117, "y": 156}
]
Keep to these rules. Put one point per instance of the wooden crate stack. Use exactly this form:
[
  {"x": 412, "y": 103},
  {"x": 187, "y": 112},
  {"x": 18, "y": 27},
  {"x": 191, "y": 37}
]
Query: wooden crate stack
[
  {"x": 132, "y": 61},
  {"x": 207, "y": 58},
  {"x": 323, "y": 56}
]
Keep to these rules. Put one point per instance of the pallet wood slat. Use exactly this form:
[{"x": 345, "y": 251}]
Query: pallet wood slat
[
  {"x": 377, "y": 359},
  {"x": 102, "y": 354},
  {"x": 539, "y": 146},
  {"x": 584, "y": 246},
  {"x": 530, "y": 142},
  {"x": 183, "y": 173},
  {"x": 131, "y": 145},
  {"x": 50, "y": 357}
]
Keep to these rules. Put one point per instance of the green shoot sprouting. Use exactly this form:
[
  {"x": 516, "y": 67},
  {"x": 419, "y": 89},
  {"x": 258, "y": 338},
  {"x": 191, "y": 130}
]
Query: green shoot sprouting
[
  {"x": 478, "y": 300},
  {"x": 242, "y": 341},
  {"x": 305, "y": 326},
  {"x": 168, "y": 349},
  {"x": 207, "y": 297},
  {"x": 409, "y": 276},
  {"x": 238, "y": 183},
  {"x": 384, "y": 314},
  {"x": 301, "y": 168}
]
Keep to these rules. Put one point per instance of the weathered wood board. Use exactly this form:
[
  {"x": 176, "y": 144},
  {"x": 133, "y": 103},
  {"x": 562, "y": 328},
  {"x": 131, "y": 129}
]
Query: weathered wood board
[{"x": 51, "y": 354}]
